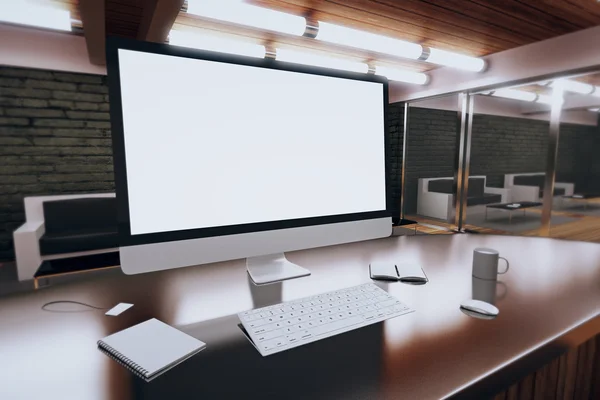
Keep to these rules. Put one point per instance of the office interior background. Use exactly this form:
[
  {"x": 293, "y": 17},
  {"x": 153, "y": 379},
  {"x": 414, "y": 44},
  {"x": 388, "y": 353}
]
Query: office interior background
[{"x": 508, "y": 146}]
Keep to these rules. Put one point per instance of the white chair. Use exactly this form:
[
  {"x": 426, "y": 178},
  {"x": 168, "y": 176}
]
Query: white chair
[
  {"x": 532, "y": 193},
  {"x": 26, "y": 237},
  {"x": 441, "y": 205}
]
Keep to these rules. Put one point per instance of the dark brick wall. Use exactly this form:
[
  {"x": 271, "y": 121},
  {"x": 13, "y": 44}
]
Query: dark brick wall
[
  {"x": 502, "y": 145},
  {"x": 54, "y": 139},
  {"x": 430, "y": 152},
  {"x": 395, "y": 129}
]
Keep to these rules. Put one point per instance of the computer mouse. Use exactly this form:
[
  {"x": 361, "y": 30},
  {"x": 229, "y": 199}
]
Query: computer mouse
[{"x": 480, "y": 307}]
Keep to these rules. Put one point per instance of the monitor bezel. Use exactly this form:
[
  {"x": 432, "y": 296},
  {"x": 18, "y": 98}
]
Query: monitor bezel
[{"x": 118, "y": 140}]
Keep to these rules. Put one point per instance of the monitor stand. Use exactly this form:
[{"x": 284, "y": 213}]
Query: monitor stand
[{"x": 273, "y": 268}]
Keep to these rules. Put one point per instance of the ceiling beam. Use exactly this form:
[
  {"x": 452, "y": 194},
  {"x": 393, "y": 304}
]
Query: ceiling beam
[
  {"x": 158, "y": 18},
  {"x": 94, "y": 29},
  {"x": 568, "y": 54}
]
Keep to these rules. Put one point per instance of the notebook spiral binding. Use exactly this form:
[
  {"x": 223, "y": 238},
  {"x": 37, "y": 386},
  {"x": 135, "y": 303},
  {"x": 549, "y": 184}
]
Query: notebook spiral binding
[{"x": 124, "y": 361}]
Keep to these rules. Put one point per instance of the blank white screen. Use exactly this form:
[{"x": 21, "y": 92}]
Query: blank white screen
[{"x": 214, "y": 144}]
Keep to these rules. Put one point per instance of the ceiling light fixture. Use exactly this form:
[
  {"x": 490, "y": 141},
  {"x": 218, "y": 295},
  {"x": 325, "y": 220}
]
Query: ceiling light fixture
[
  {"x": 455, "y": 60},
  {"x": 300, "y": 57},
  {"x": 368, "y": 41},
  {"x": 594, "y": 109},
  {"x": 372, "y": 42},
  {"x": 215, "y": 43},
  {"x": 400, "y": 75},
  {"x": 238, "y": 12},
  {"x": 34, "y": 14}
]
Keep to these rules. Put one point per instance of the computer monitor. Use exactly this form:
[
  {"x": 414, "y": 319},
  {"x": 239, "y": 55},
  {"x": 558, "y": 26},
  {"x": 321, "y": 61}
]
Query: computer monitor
[{"x": 220, "y": 157}]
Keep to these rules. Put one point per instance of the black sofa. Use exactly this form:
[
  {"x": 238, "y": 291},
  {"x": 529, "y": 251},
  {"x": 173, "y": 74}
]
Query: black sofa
[
  {"x": 475, "y": 193},
  {"x": 538, "y": 181},
  {"x": 79, "y": 225}
]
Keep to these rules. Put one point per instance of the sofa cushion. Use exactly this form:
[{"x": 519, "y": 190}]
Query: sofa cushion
[
  {"x": 487, "y": 198},
  {"x": 529, "y": 180},
  {"x": 441, "y": 186},
  {"x": 70, "y": 215},
  {"x": 476, "y": 187},
  {"x": 81, "y": 240}
]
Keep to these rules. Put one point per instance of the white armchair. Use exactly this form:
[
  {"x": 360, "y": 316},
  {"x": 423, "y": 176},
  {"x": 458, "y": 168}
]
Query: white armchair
[
  {"x": 532, "y": 193},
  {"x": 440, "y": 205},
  {"x": 26, "y": 237}
]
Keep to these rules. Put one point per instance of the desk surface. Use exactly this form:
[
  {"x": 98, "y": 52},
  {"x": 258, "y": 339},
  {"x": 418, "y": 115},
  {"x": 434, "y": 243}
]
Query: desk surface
[{"x": 553, "y": 287}]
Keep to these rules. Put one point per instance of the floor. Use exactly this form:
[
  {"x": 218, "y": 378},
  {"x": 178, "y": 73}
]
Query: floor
[
  {"x": 8, "y": 280},
  {"x": 585, "y": 228},
  {"x": 9, "y": 284}
]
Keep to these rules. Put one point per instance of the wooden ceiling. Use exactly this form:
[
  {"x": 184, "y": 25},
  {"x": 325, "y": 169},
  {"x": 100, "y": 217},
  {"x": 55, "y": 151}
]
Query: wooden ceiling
[{"x": 473, "y": 27}]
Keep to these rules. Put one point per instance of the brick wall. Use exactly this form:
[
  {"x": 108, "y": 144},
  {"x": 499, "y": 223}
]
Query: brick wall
[
  {"x": 395, "y": 130},
  {"x": 430, "y": 152},
  {"x": 502, "y": 145},
  {"x": 54, "y": 139}
]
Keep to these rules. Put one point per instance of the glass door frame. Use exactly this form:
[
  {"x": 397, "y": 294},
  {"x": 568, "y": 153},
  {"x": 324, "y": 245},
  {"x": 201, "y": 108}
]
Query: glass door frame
[{"x": 462, "y": 154}]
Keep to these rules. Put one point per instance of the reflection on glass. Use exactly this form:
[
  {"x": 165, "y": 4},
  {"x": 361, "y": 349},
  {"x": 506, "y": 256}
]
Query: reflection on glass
[
  {"x": 430, "y": 163},
  {"x": 578, "y": 162},
  {"x": 509, "y": 148},
  {"x": 510, "y": 151}
]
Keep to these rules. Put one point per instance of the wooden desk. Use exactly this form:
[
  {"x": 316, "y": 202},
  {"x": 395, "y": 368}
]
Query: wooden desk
[{"x": 551, "y": 304}]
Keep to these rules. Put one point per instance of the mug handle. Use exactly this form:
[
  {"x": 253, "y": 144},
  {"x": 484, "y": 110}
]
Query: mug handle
[{"x": 507, "y": 266}]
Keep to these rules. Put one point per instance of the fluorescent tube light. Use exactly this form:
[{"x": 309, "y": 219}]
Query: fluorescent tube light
[
  {"x": 575, "y": 86},
  {"x": 400, "y": 75},
  {"x": 515, "y": 94},
  {"x": 241, "y": 13},
  {"x": 594, "y": 109},
  {"x": 368, "y": 41},
  {"x": 33, "y": 14},
  {"x": 301, "y": 57},
  {"x": 455, "y": 60},
  {"x": 596, "y": 91},
  {"x": 215, "y": 43}
]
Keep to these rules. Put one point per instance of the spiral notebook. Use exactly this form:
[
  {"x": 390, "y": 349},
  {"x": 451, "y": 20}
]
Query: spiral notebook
[{"x": 150, "y": 348}]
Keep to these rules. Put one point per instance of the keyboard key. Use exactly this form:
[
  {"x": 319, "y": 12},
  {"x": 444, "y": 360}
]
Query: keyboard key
[
  {"x": 274, "y": 343},
  {"x": 269, "y": 335},
  {"x": 293, "y": 338},
  {"x": 305, "y": 334},
  {"x": 388, "y": 303},
  {"x": 343, "y": 323},
  {"x": 369, "y": 315},
  {"x": 259, "y": 330}
]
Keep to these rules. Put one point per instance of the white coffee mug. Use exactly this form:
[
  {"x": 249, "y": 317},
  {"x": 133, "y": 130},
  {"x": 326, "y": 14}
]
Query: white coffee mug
[{"x": 485, "y": 264}]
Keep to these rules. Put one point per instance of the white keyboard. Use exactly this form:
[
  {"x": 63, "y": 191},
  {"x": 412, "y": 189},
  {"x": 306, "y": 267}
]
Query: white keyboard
[{"x": 284, "y": 326}]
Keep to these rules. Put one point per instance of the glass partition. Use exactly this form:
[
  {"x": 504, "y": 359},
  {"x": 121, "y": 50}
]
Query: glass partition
[
  {"x": 534, "y": 169},
  {"x": 531, "y": 153},
  {"x": 577, "y": 183},
  {"x": 432, "y": 135},
  {"x": 508, "y": 163}
]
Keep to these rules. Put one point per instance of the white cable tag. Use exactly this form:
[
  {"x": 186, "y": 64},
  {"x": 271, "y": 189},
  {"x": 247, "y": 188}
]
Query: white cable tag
[{"x": 118, "y": 309}]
